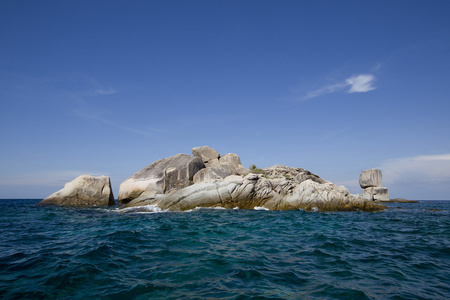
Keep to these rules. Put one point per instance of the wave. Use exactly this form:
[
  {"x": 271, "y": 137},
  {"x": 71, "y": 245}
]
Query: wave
[
  {"x": 142, "y": 209},
  {"x": 260, "y": 208}
]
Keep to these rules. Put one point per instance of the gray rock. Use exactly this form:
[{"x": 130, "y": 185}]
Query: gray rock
[
  {"x": 296, "y": 174},
  {"x": 367, "y": 194},
  {"x": 210, "y": 174},
  {"x": 402, "y": 200},
  {"x": 241, "y": 170},
  {"x": 206, "y": 154},
  {"x": 232, "y": 162},
  {"x": 213, "y": 163},
  {"x": 85, "y": 190},
  {"x": 370, "y": 178},
  {"x": 161, "y": 177},
  {"x": 376, "y": 194},
  {"x": 232, "y": 159},
  {"x": 380, "y": 194},
  {"x": 228, "y": 167},
  {"x": 275, "y": 191}
]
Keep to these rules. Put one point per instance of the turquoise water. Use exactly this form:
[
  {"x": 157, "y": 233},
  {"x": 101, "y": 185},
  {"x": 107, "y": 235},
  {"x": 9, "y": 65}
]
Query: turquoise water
[{"x": 76, "y": 253}]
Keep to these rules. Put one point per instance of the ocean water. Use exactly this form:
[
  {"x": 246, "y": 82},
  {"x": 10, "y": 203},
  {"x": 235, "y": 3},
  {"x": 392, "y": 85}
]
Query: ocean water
[{"x": 79, "y": 253}]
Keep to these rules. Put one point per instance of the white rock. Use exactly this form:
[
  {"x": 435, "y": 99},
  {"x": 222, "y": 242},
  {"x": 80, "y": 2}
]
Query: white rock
[
  {"x": 255, "y": 190},
  {"x": 376, "y": 193},
  {"x": 161, "y": 177},
  {"x": 205, "y": 153},
  {"x": 85, "y": 190},
  {"x": 370, "y": 178},
  {"x": 210, "y": 174}
]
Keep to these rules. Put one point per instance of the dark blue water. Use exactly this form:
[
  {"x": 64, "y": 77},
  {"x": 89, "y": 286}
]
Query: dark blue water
[{"x": 76, "y": 253}]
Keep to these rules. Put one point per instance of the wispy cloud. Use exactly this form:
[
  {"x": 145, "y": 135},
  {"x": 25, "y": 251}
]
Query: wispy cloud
[
  {"x": 145, "y": 132},
  {"x": 325, "y": 90},
  {"x": 355, "y": 84},
  {"x": 360, "y": 83}
]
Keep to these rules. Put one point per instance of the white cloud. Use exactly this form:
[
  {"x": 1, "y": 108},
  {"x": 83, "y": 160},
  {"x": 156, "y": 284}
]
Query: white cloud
[
  {"x": 360, "y": 83},
  {"x": 357, "y": 84},
  {"x": 423, "y": 177},
  {"x": 424, "y": 169},
  {"x": 434, "y": 157},
  {"x": 418, "y": 177},
  {"x": 325, "y": 90}
]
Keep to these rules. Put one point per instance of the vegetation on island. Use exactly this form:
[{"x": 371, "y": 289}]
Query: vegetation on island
[{"x": 254, "y": 169}]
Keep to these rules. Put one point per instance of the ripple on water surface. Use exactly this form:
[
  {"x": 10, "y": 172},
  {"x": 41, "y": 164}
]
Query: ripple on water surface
[{"x": 74, "y": 253}]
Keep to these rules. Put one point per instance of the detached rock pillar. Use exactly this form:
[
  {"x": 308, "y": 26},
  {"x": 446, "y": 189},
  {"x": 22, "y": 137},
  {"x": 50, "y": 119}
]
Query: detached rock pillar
[{"x": 370, "y": 181}]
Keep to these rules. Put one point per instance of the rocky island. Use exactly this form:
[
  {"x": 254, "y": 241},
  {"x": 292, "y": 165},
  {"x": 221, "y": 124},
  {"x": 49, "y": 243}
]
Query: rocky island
[{"x": 208, "y": 179}]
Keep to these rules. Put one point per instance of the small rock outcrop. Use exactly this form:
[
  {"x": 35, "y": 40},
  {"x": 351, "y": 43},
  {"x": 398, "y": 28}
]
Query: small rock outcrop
[
  {"x": 161, "y": 177},
  {"x": 371, "y": 180},
  {"x": 85, "y": 190}
]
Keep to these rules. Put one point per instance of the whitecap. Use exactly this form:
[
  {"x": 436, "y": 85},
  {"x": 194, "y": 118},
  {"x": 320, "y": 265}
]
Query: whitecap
[
  {"x": 260, "y": 208},
  {"x": 150, "y": 208},
  {"x": 205, "y": 208}
]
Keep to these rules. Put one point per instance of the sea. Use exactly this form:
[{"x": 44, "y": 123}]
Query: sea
[{"x": 109, "y": 253}]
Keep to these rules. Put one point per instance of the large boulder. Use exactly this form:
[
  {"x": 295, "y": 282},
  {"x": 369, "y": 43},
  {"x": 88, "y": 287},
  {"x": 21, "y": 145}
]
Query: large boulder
[
  {"x": 279, "y": 188},
  {"x": 161, "y": 177},
  {"x": 370, "y": 178},
  {"x": 208, "y": 155},
  {"x": 232, "y": 163},
  {"x": 232, "y": 159},
  {"x": 376, "y": 194},
  {"x": 84, "y": 190}
]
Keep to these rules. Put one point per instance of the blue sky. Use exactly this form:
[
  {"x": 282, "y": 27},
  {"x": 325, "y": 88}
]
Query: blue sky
[{"x": 335, "y": 87}]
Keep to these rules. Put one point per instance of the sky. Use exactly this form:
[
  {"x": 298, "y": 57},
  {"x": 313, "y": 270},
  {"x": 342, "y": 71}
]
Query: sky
[{"x": 334, "y": 87}]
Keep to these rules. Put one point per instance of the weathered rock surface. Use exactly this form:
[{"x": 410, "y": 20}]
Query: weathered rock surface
[
  {"x": 279, "y": 188},
  {"x": 211, "y": 174},
  {"x": 370, "y": 178},
  {"x": 84, "y": 190},
  {"x": 376, "y": 194},
  {"x": 232, "y": 163},
  {"x": 212, "y": 159},
  {"x": 161, "y": 177},
  {"x": 208, "y": 155}
]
